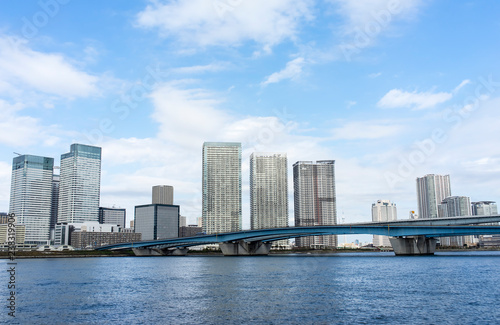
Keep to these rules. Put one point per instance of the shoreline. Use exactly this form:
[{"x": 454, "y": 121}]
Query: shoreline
[{"x": 129, "y": 253}]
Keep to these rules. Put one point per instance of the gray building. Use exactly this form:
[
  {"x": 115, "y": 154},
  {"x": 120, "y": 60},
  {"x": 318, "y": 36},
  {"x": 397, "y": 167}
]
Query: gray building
[
  {"x": 114, "y": 216},
  {"x": 91, "y": 240},
  {"x": 221, "y": 187},
  {"x": 80, "y": 184},
  {"x": 157, "y": 221},
  {"x": 55, "y": 204},
  {"x": 315, "y": 200},
  {"x": 31, "y": 196},
  {"x": 189, "y": 231},
  {"x": 431, "y": 191},
  {"x": 163, "y": 194}
]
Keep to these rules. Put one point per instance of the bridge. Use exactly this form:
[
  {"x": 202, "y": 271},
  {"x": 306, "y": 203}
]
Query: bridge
[{"x": 407, "y": 237}]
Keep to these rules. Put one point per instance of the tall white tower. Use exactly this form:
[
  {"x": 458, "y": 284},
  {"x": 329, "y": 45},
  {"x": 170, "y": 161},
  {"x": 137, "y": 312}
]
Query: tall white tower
[
  {"x": 269, "y": 192},
  {"x": 31, "y": 196},
  {"x": 80, "y": 184},
  {"x": 221, "y": 187},
  {"x": 431, "y": 191},
  {"x": 382, "y": 211}
]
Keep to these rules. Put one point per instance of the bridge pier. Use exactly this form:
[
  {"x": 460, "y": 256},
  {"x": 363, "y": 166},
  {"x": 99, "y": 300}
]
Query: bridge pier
[
  {"x": 160, "y": 251},
  {"x": 413, "y": 245},
  {"x": 242, "y": 248}
]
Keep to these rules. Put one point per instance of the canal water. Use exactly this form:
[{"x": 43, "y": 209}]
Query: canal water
[{"x": 357, "y": 288}]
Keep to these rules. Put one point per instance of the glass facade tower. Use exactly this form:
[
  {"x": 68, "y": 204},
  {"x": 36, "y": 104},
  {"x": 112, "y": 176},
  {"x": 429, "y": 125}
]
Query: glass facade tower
[
  {"x": 221, "y": 187},
  {"x": 31, "y": 196},
  {"x": 80, "y": 184},
  {"x": 315, "y": 200}
]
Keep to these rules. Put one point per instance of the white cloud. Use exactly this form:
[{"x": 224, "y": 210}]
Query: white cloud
[
  {"x": 361, "y": 15},
  {"x": 374, "y": 75},
  {"x": 292, "y": 71},
  {"x": 17, "y": 130},
  {"x": 23, "y": 67},
  {"x": 399, "y": 98},
  {"x": 462, "y": 84},
  {"x": 205, "y": 23},
  {"x": 366, "y": 20},
  {"x": 213, "y": 67},
  {"x": 366, "y": 130}
]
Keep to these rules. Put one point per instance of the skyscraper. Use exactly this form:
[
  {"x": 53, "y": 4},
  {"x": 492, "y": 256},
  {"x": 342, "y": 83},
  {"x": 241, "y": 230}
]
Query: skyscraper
[
  {"x": 382, "y": 211},
  {"x": 31, "y": 196},
  {"x": 269, "y": 192},
  {"x": 221, "y": 187},
  {"x": 80, "y": 184},
  {"x": 455, "y": 206},
  {"x": 163, "y": 194},
  {"x": 431, "y": 191},
  {"x": 315, "y": 200}
]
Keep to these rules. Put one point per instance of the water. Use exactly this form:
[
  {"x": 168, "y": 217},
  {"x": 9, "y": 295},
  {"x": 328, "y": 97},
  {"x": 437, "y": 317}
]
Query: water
[{"x": 360, "y": 288}]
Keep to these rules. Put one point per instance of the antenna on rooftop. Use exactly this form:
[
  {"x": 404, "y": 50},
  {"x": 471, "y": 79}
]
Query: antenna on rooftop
[{"x": 18, "y": 154}]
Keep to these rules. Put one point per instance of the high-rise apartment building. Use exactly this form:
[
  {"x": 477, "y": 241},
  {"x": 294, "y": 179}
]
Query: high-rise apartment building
[
  {"x": 31, "y": 196},
  {"x": 382, "y": 211},
  {"x": 455, "y": 206},
  {"x": 80, "y": 184},
  {"x": 163, "y": 194},
  {"x": 315, "y": 200},
  {"x": 269, "y": 192},
  {"x": 221, "y": 187},
  {"x": 113, "y": 216},
  {"x": 431, "y": 191},
  {"x": 486, "y": 208}
]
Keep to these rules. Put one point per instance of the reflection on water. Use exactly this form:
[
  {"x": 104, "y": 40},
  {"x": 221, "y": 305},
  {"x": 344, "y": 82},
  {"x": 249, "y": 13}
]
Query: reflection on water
[{"x": 342, "y": 288}]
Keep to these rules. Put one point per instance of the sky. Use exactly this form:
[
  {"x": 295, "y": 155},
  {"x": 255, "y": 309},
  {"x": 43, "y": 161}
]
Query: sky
[{"x": 391, "y": 90}]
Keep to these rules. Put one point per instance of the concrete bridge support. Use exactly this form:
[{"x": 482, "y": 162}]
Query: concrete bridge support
[
  {"x": 160, "y": 251},
  {"x": 242, "y": 248},
  {"x": 413, "y": 245}
]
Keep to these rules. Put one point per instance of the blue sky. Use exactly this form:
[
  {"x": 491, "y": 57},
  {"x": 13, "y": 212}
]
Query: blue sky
[{"x": 391, "y": 90}]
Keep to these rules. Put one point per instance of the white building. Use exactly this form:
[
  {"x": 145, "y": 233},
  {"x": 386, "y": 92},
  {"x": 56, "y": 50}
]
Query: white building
[
  {"x": 80, "y": 184},
  {"x": 221, "y": 187},
  {"x": 455, "y": 206},
  {"x": 431, "y": 191},
  {"x": 269, "y": 192},
  {"x": 31, "y": 196},
  {"x": 486, "y": 208},
  {"x": 382, "y": 211},
  {"x": 315, "y": 200}
]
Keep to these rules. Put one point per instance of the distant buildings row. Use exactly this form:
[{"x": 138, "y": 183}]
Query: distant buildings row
[
  {"x": 314, "y": 192},
  {"x": 52, "y": 207},
  {"x": 49, "y": 205},
  {"x": 434, "y": 200}
]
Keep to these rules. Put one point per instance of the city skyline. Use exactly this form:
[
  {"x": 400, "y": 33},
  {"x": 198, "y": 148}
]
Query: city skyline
[{"x": 390, "y": 93}]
